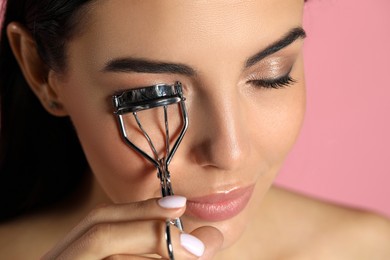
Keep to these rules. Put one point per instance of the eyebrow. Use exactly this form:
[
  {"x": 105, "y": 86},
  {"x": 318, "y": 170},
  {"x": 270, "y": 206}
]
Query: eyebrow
[
  {"x": 140, "y": 65},
  {"x": 129, "y": 64},
  {"x": 290, "y": 37}
]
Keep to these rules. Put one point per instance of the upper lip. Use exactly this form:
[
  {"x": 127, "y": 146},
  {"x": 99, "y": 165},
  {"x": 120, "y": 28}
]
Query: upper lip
[{"x": 222, "y": 195}]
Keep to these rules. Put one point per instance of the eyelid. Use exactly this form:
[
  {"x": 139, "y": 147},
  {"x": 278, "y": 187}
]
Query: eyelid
[
  {"x": 274, "y": 74},
  {"x": 274, "y": 82},
  {"x": 132, "y": 87}
]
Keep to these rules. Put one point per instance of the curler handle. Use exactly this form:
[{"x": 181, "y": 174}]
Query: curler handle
[{"x": 166, "y": 190}]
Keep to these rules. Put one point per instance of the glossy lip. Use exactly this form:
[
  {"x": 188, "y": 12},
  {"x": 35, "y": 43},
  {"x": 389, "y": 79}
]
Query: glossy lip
[{"x": 219, "y": 206}]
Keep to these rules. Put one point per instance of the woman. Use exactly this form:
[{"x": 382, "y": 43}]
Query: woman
[{"x": 241, "y": 66}]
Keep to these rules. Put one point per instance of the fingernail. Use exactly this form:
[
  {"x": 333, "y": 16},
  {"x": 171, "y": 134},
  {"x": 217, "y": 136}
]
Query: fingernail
[
  {"x": 192, "y": 244},
  {"x": 171, "y": 202}
]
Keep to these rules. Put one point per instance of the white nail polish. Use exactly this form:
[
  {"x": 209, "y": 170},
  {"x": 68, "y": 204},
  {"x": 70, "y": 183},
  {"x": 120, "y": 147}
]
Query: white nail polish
[
  {"x": 192, "y": 244},
  {"x": 171, "y": 202}
]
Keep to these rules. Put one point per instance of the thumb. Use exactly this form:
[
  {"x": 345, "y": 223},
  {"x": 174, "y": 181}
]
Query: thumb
[{"x": 212, "y": 239}]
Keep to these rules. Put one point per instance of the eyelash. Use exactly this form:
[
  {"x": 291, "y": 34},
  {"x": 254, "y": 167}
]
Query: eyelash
[{"x": 278, "y": 83}]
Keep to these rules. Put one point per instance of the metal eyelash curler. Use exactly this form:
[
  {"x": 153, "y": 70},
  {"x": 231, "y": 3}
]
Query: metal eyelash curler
[{"x": 160, "y": 95}]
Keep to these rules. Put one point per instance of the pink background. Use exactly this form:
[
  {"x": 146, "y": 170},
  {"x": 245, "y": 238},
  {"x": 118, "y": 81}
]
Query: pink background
[{"x": 343, "y": 153}]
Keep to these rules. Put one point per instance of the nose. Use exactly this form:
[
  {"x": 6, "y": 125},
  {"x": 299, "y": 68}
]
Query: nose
[{"x": 217, "y": 130}]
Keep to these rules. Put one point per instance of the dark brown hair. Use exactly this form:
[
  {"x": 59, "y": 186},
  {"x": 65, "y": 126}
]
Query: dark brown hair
[{"x": 41, "y": 160}]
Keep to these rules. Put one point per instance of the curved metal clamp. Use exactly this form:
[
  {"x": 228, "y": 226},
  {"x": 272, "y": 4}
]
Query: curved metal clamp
[{"x": 135, "y": 100}]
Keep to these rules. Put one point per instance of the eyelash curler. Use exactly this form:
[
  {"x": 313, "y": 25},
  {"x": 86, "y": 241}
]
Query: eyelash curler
[{"x": 140, "y": 99}]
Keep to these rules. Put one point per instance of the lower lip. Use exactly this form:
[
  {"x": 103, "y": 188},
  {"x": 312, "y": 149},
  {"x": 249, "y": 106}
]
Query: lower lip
[{"x": 221, "y": 206}]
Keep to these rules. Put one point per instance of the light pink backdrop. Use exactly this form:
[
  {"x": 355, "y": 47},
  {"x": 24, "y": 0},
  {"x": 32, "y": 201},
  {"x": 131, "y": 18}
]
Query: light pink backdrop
[{"x": 343, "y": 153}]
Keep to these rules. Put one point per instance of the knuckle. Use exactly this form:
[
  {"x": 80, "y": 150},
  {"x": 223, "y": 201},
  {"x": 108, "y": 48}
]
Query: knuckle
[
  {"x": 98, "y": 237},
  {"x": 115, "y": 257},
  {"x": 97, "y": 213},
  {"x": 142, "y": 207}
]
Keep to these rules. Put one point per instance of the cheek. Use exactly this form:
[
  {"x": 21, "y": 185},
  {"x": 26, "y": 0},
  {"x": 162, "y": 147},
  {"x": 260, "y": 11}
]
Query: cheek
[{"x": 277, "y": 121}]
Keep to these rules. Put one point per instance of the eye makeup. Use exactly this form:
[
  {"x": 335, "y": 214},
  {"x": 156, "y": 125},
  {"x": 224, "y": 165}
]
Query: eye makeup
[
  {"x": 272, "y": 73},
  {"x": 280, "y": 82}
]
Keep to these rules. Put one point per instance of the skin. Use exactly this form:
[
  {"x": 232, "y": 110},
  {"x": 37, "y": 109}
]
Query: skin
[
  {"x": 239, "y": 133},
  {"x": 245, "y": 123}
]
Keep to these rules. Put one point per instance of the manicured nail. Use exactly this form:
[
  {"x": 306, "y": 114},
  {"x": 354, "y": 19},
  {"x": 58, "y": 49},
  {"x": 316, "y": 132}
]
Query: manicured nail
[
  {"x": 172, "y": 202},
  {"x": 192, "y": 244}
]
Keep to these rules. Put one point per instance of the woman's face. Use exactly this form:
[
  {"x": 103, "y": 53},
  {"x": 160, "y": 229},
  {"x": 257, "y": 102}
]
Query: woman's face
[{"x": 240, "y": 127}]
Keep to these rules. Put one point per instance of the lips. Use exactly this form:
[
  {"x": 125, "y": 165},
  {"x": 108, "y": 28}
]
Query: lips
[{"x": 219, "y": 206}]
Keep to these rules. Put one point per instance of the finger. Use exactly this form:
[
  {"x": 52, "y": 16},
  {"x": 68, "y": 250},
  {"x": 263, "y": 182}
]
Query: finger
[
  {"x": 163, "y": 208},
  {"x": 132, "y": 257},
  {"x": 156, "y": 208},
  {"x": 131, "y": 238},
  {"x": 212, "y": 238}
]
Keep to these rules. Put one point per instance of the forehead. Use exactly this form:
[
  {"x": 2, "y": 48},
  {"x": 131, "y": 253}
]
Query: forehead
[{"x": 175, "y": 30}]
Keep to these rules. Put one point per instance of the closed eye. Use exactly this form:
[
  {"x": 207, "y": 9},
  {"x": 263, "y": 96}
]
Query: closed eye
[{"x": 274, "y": 83}]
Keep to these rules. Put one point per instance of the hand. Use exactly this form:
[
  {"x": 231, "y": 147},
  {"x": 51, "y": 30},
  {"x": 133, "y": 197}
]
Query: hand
[{"x": 129, "y": 231}]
